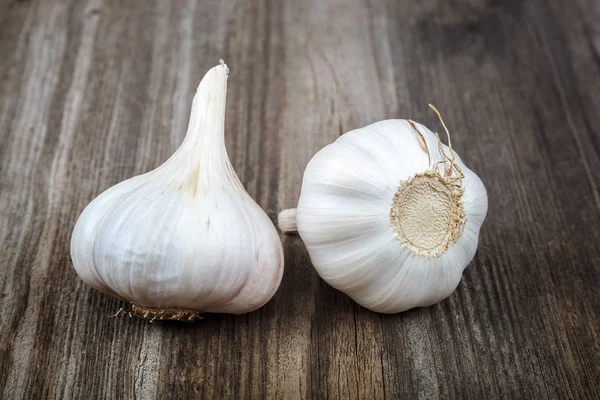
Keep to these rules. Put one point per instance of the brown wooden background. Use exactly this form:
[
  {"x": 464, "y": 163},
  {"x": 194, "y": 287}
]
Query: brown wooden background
[{"x": 93, "y": 92}]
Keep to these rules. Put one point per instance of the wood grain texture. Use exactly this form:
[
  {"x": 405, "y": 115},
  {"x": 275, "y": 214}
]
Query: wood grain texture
[{"x": 93, "y": 92}]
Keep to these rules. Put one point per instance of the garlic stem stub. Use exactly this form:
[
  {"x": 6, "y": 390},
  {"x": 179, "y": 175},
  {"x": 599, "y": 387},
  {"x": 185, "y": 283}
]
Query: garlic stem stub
[
  {"x": 389, "y": 215},
  {"x": 185, "y": 238}
]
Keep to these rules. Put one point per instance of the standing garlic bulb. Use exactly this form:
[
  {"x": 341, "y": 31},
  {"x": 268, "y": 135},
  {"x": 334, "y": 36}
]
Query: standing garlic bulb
[
  {"x": 184, "y": 238},
  {"x": 389, "y": 215}
]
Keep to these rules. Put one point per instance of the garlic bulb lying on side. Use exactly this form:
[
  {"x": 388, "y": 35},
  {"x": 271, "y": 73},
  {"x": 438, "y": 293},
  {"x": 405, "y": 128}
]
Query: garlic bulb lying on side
[
  {"x": 184, "y": 238},
  {"x": 389, "y": 215}
]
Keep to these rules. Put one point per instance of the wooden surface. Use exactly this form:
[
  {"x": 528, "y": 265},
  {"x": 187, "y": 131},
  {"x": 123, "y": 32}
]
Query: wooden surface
[{"x": 93, "y": 92}]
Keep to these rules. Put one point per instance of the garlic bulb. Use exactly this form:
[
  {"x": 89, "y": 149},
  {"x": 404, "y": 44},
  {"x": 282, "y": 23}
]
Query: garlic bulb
[
  {"x": 389, "y": 215},
  {"x": 184, "y": 238}
]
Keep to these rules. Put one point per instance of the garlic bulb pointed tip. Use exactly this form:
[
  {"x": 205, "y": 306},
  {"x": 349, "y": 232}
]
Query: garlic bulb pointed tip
[{"x": 222, "y": 64}]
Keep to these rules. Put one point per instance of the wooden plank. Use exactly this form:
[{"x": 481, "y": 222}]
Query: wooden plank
[{"x": 93, "y": 92}]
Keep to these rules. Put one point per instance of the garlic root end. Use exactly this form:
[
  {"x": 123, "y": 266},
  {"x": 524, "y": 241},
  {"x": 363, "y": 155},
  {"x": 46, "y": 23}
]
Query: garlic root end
[{"x": 162, "y": 314}]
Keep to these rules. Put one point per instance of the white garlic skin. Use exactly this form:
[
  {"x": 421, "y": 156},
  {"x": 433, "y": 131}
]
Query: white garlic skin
[
  {"x": 343, "y": 217},
  {"x": 186, "y": 235}
]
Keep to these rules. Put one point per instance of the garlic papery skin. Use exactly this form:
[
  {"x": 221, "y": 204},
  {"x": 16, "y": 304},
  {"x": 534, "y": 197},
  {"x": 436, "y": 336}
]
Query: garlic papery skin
[
  {"x": 185, "y": 238},
  {"x": 389, "y": 215}
]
